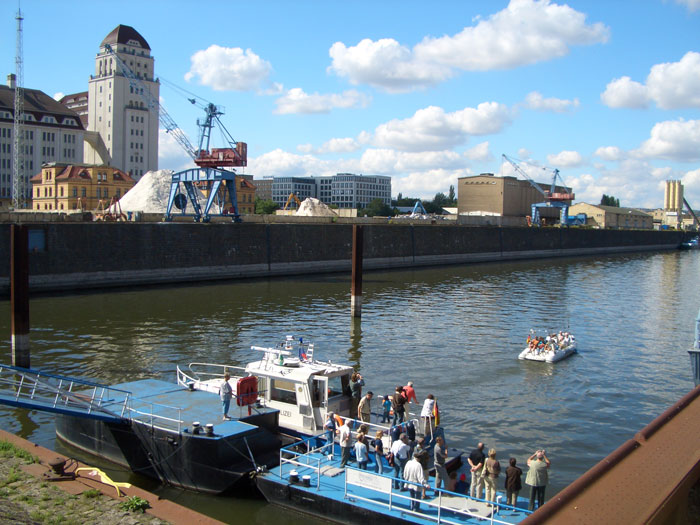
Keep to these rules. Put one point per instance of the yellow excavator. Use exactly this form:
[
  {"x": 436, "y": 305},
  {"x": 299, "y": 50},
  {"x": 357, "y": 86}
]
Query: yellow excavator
[{"x": 292, "y": 196}]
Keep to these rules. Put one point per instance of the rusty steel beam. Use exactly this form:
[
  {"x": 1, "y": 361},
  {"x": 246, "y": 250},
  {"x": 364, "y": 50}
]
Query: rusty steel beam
[
  {"x": 356, "y": 286},
  {"x": 645, "y": 480}
]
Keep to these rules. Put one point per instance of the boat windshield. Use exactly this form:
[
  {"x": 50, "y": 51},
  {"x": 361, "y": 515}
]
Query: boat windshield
[{"x": 337, "y": 385}]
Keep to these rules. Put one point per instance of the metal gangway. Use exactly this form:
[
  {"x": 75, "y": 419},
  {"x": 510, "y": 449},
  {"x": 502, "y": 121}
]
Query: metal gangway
[{"x": 35, "y": 390}]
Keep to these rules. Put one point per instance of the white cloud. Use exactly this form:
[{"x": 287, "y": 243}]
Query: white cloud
[
  {"x": 480, "y": 152},
  {"x": 634, "y": 182},
  {"x": 425, "y": 184},
  {"x": 389, "y": 161},
  {"x": 691, "y": 5},
  {"x": 228, "y": 68},
  {"x": 58, "y": 96},
  {"x": 565, "y": 159},
  {"x": 340, "y": 145},
  {"x": 536, "y": 101},
  {"x": 171, "y": 156},
  {"x": 677, "y": 84},
  {"x": 525, "y": 32},
  {"x": 611, "y": 153},
  {"x": 432, "y": 129},
  {"x": 691, "y": 188},
  {"x": 670, "y": 85},
  {"x": 677, "y": 140},
  {"x": 297, "y": 101},
  {"x": 624, "y": 92},
  {"x": 384, "y": 64}
]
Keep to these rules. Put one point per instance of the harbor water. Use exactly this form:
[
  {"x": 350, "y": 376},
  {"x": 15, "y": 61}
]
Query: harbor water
[{"x": 454, "y": 331}]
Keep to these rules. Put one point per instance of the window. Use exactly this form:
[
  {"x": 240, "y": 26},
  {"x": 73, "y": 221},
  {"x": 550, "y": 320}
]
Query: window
[
  {"x": 83, "y": 192},
  {"x": 283, "y": 391}
]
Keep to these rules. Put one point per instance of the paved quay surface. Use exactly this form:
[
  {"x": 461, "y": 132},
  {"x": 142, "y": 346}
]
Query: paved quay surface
[{"x": 27, "y": 507}]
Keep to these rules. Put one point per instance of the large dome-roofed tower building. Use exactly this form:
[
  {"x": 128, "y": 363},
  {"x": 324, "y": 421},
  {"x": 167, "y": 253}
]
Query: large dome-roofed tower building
[{"x": 126, "y": 130}]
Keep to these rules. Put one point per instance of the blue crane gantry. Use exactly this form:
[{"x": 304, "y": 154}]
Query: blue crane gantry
[
  {"x": 209, "y": 172},
  {"x": 552, "y": 198}
]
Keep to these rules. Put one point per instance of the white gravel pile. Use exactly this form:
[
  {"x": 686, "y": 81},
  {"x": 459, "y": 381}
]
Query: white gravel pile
[
  {"x": 151, "y": 192},
  {"x": 314, "y": 208}
]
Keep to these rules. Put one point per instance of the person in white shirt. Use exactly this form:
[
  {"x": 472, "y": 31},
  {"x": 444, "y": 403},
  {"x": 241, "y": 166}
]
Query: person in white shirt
[
  {"x": 344, "y": 441},
  {"x": 226, "y": 393},
  {"x": 401, "y": 450},
  {"x": 415, "y": 481}
]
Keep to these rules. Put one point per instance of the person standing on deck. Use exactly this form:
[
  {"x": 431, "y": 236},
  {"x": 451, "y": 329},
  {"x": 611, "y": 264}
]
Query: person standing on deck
[
  {"x": 427, "y": 414},
  {"x": 492, "y": 469},
  {"x": 344, "y": 440},
  {"x": 379, "y": 451},
  {"x": 410, "y": 393},
  {"x": 329, "y": 427},
  {"x": 415, "y": 481},
  {"x": 400, "y": 450},
  {"x": 361, "y": 452},
  {"x": 440, "y": 455},
  {"x": 364, "y": 410},
  {"x": 386, "y": 409},
  {"x": 513, "y": 483},
  {"x": 537, "y": 477},
  {"x": 356, "y": 384},
  {"x": 476, "y": 463},
  {"x": 398, "y": 402},
  {"x": 226, "y": 393}
]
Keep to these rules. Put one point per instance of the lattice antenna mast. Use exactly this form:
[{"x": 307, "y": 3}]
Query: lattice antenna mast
[{"x": 19, "y": 191}]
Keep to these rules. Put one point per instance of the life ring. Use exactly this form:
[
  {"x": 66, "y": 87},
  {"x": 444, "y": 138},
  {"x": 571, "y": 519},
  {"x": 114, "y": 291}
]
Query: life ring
[
  {"x": 246, "y": 391},
  {"x": 339, "y": 420}
]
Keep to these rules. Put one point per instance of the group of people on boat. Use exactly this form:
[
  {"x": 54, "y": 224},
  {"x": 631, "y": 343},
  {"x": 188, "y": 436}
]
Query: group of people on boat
[
  {"x": 549, "y": 343},
  {"x": 486, "y": 469},
  {"x": 408, "y": 454}
]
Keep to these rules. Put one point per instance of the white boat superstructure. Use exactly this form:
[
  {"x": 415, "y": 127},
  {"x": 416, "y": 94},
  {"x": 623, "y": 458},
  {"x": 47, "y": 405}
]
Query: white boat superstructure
[{"x": 303, "y": 389}]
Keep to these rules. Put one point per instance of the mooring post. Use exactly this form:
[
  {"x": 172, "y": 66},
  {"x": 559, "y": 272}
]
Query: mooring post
[
  {"x": 19, "y": 294},
  {"x": 695, "y": 353},
  {"x": 356, "y": 288}
]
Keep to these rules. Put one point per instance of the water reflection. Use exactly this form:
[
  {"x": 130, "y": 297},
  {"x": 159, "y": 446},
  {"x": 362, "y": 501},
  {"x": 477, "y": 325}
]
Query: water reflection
[{"x": 454, "y": 331}]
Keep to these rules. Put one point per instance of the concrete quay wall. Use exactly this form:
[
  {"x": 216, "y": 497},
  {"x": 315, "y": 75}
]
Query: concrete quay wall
[{"x": 70, "y": 256}]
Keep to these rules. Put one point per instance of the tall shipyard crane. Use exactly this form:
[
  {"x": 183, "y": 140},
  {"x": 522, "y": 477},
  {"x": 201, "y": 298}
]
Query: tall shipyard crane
[
  {"x": 210, "y": 163},
  {"x": 19, "y": 177},
  {"x": 552, "y": 198}
]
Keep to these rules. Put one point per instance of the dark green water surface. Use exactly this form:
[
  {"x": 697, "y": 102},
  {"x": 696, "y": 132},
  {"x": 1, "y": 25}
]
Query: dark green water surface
[{"x": 454, "y": 331}]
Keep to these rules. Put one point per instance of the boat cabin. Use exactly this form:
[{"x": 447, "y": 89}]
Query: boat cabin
[
  {"x": 288, "y": 379},
  {"x": 303, "y": 390}
]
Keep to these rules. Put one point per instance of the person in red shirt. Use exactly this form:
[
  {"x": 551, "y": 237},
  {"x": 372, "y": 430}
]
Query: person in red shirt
[{"x": 409, "y": 393}]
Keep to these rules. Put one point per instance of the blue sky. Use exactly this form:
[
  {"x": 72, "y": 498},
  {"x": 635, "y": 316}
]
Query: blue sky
[{"x": 607, "y": 92}]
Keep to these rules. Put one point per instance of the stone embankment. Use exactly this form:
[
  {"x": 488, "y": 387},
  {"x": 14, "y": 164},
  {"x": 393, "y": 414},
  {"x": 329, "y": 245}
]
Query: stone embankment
[{"x": 28, "y": 495}]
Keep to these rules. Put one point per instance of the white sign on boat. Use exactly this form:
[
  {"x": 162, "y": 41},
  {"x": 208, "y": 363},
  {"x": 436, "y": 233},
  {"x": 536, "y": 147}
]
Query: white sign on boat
[{"x": 368, "y": 479}]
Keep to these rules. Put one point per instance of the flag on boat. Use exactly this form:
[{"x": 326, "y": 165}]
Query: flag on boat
[{"x": 436, "y": 413}]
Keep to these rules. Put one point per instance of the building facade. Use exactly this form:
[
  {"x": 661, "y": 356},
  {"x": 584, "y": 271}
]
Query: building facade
[
  {"x": 600, "y": 216},
  {"x": 51, "y": 133},
  {"x": 344, "y": 190},
  {"x": 505, "y": 196},
  {"x": 123, "y": 128},
  {"x": 64, "y": 187},
  {"x": 302, "y": 187}
]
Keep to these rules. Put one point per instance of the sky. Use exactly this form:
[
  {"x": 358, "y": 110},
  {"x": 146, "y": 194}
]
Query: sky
[{"x": 607, "y": 92}]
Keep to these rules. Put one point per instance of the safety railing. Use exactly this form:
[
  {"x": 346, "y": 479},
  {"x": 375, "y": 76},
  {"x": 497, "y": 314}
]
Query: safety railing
[
  {"x": 293, "y": 456},
  {"x": 155, "y": 415},
  {"x": 383, "y": 485},
  {"x": 59, "y": 393}
]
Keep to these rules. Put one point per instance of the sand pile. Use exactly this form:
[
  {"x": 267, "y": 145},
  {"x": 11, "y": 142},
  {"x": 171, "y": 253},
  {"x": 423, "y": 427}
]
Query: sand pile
[
  {"x": 314, "y": 208},
  {"x": 151, "y": 192}
]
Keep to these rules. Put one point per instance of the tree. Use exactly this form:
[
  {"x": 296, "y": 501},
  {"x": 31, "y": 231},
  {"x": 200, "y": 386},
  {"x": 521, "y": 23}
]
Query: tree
[
  {"x": 609, "y": 200},
  {"x": 374, "y": 208},
  {"x": 265, "y": 207},
  {"x": 452, "y": 197}
]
